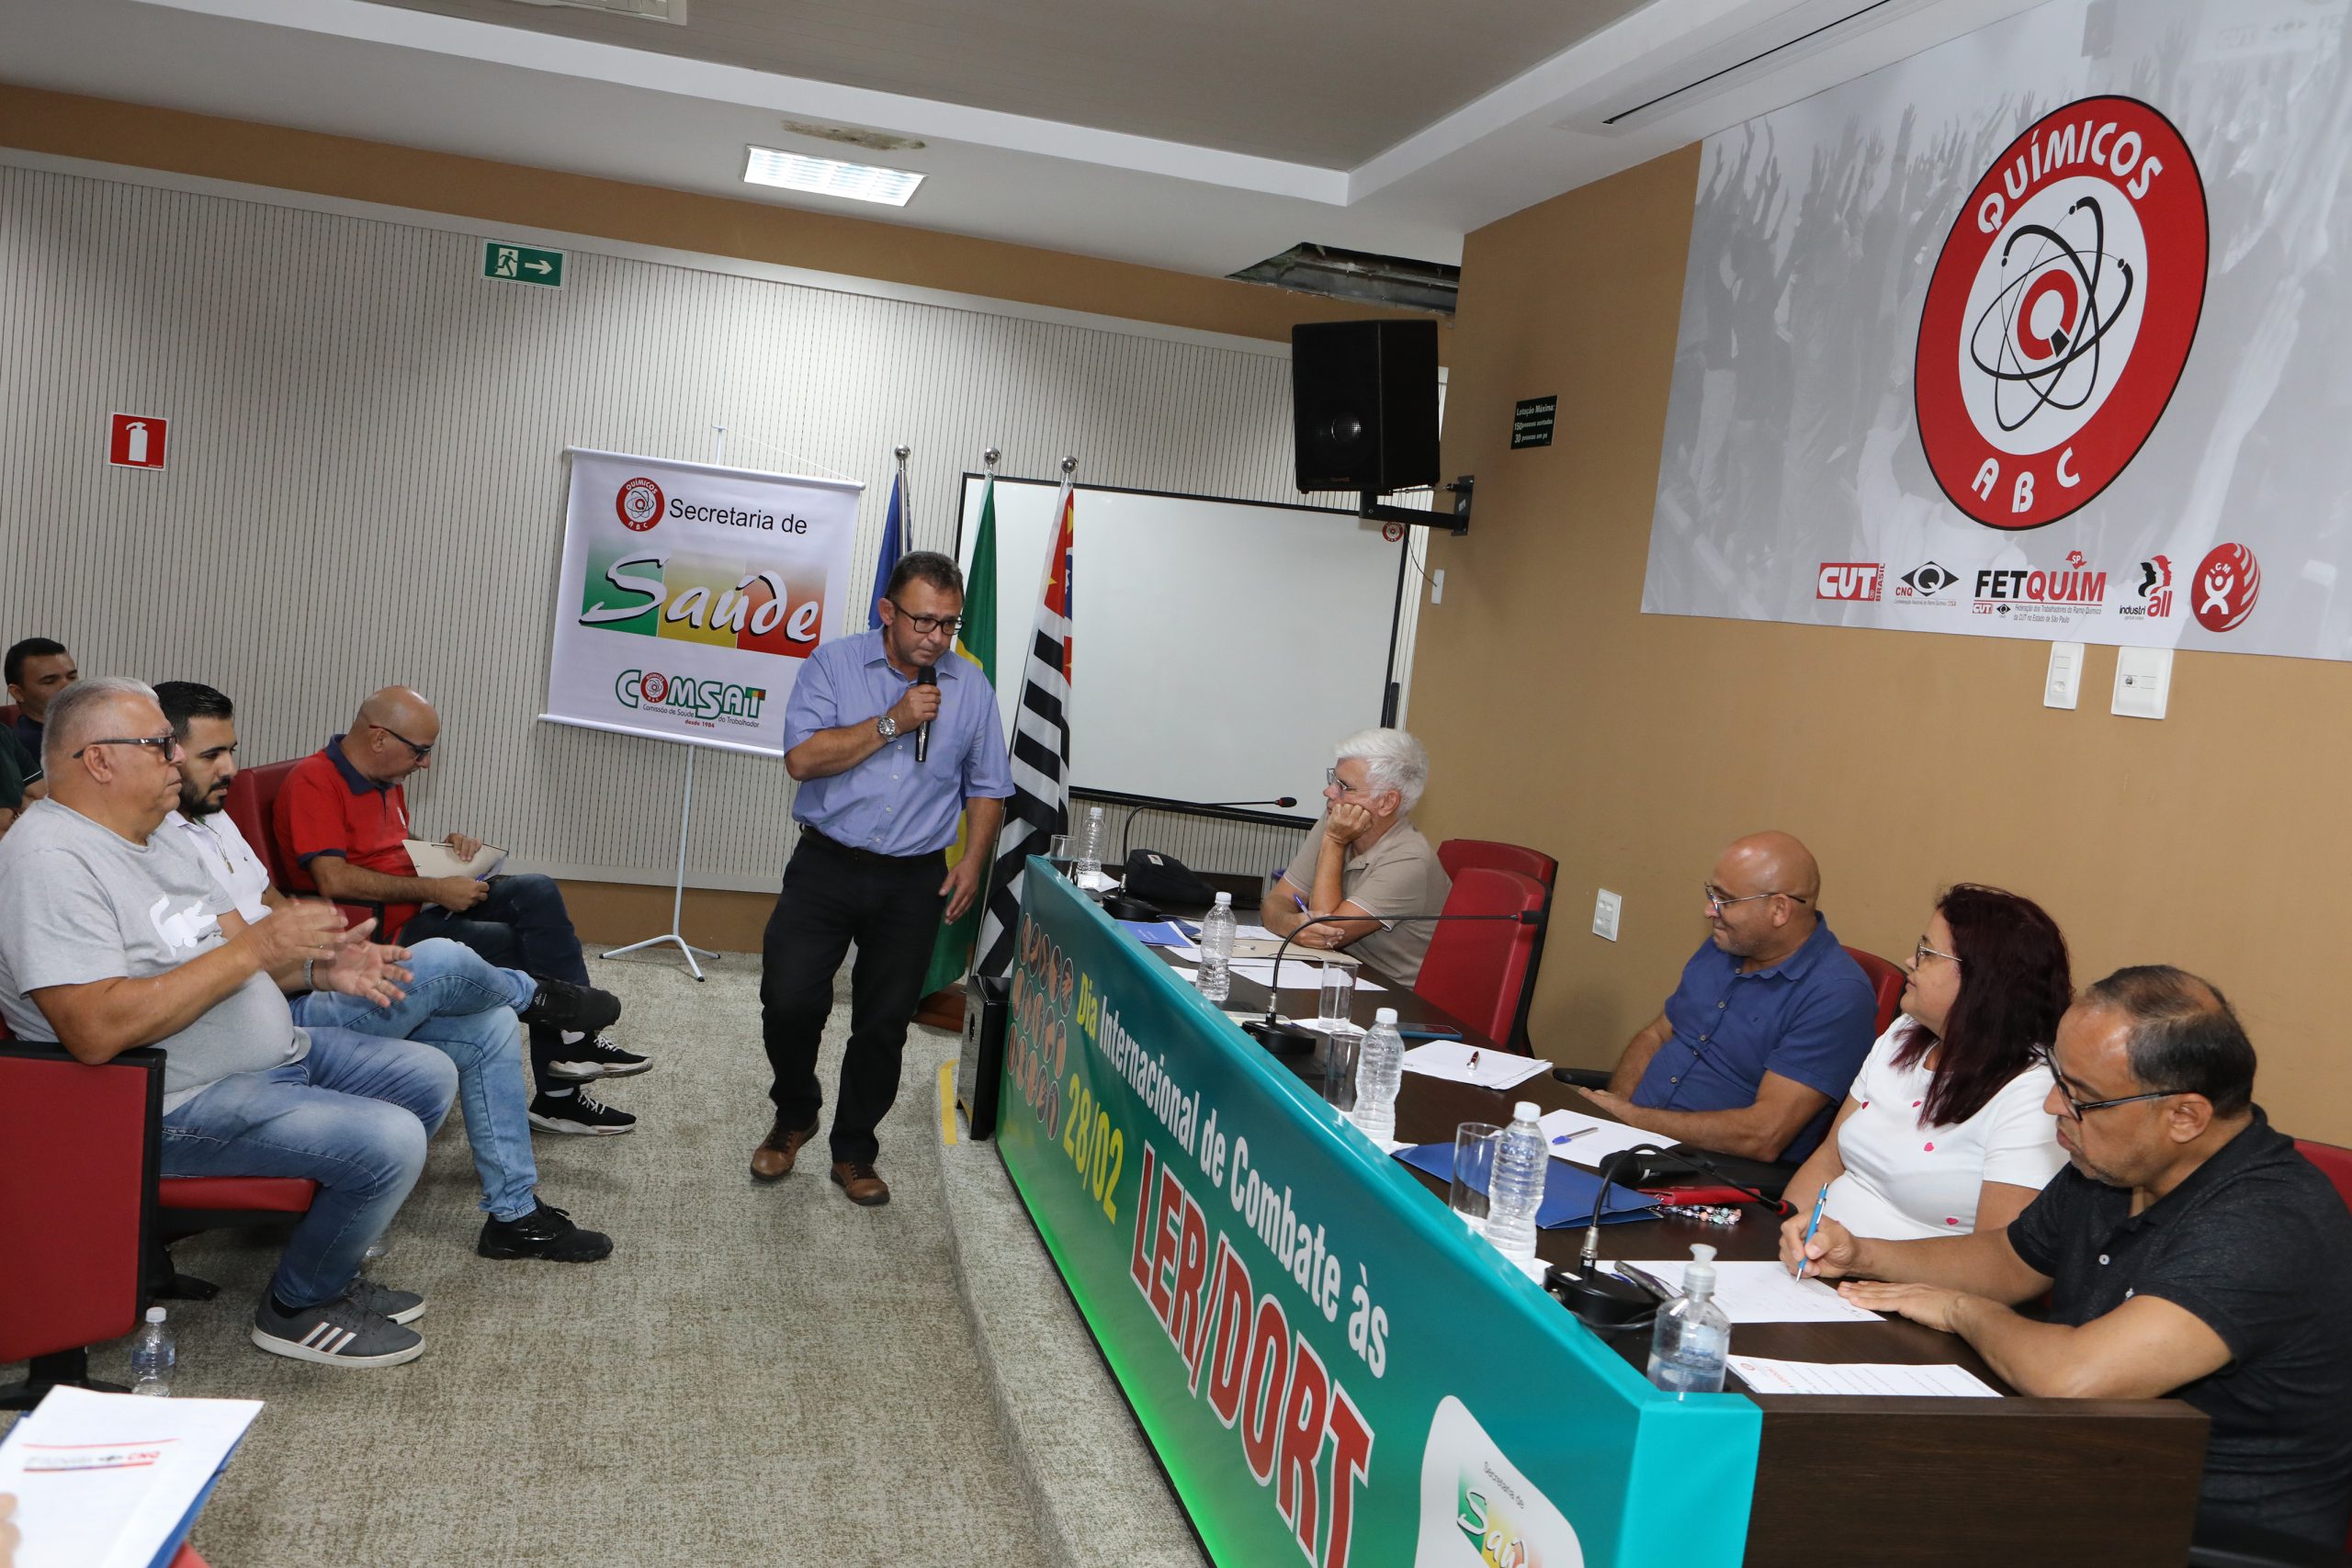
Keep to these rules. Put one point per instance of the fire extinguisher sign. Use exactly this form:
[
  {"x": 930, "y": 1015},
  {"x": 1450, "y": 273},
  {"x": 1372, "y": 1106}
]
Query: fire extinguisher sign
[{"x": 135, "y": 441}]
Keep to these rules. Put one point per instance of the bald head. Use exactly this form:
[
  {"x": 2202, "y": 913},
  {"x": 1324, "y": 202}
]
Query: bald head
[
  {"x": 392, "y": 735},
  {"x": 1777, "y": 862}
]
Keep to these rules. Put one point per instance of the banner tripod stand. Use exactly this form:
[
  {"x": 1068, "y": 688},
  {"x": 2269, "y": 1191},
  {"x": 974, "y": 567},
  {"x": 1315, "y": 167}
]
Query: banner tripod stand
[{"x": 677, "y": 889}]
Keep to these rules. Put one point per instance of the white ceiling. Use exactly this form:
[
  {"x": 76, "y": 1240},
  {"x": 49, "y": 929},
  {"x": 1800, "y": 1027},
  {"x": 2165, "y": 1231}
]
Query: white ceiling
[{"x": 1199, "y": 135}]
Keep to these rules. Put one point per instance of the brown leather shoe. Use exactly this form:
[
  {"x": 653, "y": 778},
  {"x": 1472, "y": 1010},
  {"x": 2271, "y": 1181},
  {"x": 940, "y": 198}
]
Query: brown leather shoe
[
  {"x": 858, "y": 1180},
  {"x": 772, "y": 1161}
]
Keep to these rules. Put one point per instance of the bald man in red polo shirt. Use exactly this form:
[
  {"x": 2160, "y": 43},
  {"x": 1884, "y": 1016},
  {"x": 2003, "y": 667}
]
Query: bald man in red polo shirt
[{"x": 342, "y": 820}]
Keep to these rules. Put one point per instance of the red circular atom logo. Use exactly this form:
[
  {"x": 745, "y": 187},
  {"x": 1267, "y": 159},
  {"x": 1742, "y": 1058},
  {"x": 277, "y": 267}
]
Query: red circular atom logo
[
  {"x": 2228, "y": 581},
  {"x": 639, "y": 504},
  {"x": 652, "y": 687},
  {"x": 2060, "y": 312}
]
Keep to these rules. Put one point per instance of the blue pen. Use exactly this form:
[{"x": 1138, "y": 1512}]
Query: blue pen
[
  {"x": 1300, "y": 902},
  {"x": 1812, "y": 1226}
]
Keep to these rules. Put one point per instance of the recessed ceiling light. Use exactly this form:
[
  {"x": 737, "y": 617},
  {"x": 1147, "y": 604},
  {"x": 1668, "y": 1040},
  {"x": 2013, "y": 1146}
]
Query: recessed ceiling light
[
  {"x": 872, "y": 141},
  {"x": 830, "y": 176}
]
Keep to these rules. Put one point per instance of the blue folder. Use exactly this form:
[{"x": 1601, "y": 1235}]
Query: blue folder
[{"x": 1568, "y": 1191}]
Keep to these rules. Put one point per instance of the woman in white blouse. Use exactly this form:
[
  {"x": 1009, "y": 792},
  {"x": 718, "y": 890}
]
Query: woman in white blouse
[{"x": 1943, "y": 1130}]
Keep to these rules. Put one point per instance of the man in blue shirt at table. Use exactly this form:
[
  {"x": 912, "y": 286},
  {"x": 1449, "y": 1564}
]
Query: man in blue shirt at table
[
  {"x": 1758, "y": 1045},
  {"x": 871, "y": 865}
]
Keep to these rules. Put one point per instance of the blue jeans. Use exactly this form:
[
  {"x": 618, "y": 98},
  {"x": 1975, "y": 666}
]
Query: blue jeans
[
  {"x": 352, "y": 1116},
  {"x": 463, "y": 1007},
  {"x": 520, "y": 924}
]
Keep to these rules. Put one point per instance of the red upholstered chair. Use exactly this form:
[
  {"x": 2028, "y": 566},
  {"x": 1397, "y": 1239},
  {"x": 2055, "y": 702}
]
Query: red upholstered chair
[
  {"x": 77, "y": 1206},
  {"x": 10, "y": 712},
  {"x": 2335, "y": 1164},
  {"x": 1886, "y": 979},
  {"x": 253, "y": 797},
  {"x": 1477, "y": 970},
  {"x": 1458, "y": 855}
]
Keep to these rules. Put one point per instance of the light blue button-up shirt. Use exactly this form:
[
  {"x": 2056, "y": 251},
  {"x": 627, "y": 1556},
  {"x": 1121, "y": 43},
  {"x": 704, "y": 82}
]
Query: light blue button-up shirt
[{"x": 888, "y": 803}]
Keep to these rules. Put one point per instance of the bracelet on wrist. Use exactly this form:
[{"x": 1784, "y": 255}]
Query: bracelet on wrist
[{"x": 309, "y": 984}]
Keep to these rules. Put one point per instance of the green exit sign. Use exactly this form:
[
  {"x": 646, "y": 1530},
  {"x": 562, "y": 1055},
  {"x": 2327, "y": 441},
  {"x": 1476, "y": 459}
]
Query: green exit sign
[{"x": 522, "y": 264}]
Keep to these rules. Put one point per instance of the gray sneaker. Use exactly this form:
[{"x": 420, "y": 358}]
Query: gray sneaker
[
  {"x": 335, "y": 1335},
  {"x": 400, "y": 1306}
]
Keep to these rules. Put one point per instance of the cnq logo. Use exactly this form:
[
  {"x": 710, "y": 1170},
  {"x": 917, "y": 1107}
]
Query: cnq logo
[{"x": 681, "y": 694}]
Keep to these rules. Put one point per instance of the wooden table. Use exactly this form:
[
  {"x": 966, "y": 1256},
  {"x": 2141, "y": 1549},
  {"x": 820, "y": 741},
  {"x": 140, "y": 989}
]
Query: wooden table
[{"x": 1930, "y": 1481}]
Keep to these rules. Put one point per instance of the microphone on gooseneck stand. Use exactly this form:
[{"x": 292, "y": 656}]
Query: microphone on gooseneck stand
[
  {"x": 1284, "y": 802},
  {"x": 926, "y": 676},
  {"x": 1288, "y": 1038},
  {"x": 1606, "y": 1301}
]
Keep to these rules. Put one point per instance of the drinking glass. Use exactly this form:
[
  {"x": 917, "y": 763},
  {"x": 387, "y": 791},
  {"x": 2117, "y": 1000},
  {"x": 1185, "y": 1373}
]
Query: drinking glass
[
  {"x": 1340, "y": 1069},
  {"x": 1338, "y": 994},
  {"x": 1474, "y": 1144},
  {"x": 1058, "y": 850}
]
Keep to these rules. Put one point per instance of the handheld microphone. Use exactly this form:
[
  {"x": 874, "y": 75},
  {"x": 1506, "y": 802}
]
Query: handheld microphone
[
  {"x": 1288, "y": 1038},
  {"x": 1127, "y": 828},
  {"x": 1604, "y": 1300},
  {"x": 926, "y": 676}
]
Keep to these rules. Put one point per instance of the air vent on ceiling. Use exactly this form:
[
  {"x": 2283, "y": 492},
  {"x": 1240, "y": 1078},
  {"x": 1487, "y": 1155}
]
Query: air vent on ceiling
[
  {"x": 650, "y": 10},
  {"x": 1796, "y": 34},
  {"x": 1360, "y": 276}
]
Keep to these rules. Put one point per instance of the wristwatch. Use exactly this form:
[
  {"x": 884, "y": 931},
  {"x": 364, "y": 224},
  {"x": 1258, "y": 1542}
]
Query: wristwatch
[{"x": 886, "y": 727}]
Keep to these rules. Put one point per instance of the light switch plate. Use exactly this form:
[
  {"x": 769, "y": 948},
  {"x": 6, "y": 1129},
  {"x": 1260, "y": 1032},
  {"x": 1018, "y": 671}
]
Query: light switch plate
[
  {"x": 2062, "y": 688},
  {"x": 2142, "y": 681},
  {"x": 1605, "y": 910}
]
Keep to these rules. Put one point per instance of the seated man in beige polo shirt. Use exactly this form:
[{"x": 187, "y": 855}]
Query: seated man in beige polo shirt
[{"x": 1363, "y": 858}]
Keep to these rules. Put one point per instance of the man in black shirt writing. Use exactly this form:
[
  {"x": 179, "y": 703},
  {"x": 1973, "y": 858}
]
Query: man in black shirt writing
[{"x": 2189, "y": 1249}]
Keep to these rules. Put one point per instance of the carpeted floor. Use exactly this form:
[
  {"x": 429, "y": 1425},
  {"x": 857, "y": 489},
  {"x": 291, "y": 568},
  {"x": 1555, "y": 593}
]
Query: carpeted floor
[{"x": 758, "y": 1375}]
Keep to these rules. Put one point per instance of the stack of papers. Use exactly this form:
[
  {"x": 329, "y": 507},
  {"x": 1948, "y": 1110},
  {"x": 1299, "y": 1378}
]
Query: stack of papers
[
  {"x": 1587, "y": 1140},
  {"x": 1300, "y": 972},
  {"x": 113, "y": 1480},
  {"x": 1767, "y": 1292},
  {"x": 1483, "y": 1066},
  {"x": 1765, "y": 1376},
  {"x": 1157, "y": 933}
]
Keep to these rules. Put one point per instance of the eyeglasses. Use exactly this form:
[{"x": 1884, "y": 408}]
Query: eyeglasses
[
  {"x": 422, "y": 751},
  {"x": 1718, "y": 900},
  {"x": 1922, "y": 952},
  {"x": 167, "y": 746},
  {"x": 926, "y": 625},
  {"x": 1332, "y": 779},
  {"x": 2082, "y": 1108}
]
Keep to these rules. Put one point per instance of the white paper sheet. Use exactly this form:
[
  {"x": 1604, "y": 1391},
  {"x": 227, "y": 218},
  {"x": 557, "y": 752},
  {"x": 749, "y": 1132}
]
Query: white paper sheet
[
  {"x": 1766, "y": 1293},
  {"x": 1326, "y": 1025},
  {"x": 1592, "y": 1140},
  {"x": 1483, "y": 1066},
  {"x": 1766, "y": 1376},
  {"x": 1299, "y": 975},
  {"x": 160, "y": 1454}
]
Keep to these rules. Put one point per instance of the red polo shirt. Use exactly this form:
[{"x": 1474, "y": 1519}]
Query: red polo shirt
[{"x": 328, "y": 807}]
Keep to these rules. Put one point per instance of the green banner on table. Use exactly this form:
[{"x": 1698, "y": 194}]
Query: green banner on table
[{"x": 1330, "y": 1366}]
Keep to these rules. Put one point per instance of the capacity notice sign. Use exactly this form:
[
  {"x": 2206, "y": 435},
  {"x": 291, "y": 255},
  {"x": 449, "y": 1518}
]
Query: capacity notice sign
[
  {"x": 1331, "y": 1367},
  {"x": 690, "y": 594}
]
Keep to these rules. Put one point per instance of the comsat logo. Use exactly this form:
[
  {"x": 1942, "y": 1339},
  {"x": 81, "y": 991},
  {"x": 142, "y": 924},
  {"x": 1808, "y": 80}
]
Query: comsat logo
[{"x": 681, "y": 694}]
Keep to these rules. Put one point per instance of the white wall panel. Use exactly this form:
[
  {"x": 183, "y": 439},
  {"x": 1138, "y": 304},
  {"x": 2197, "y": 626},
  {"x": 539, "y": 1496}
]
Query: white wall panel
[{"x": 365, "y": 483}]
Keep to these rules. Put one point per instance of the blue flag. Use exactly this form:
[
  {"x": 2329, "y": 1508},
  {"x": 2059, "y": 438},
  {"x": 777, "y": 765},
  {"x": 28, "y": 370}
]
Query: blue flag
[{"x": 894, "y": 545}]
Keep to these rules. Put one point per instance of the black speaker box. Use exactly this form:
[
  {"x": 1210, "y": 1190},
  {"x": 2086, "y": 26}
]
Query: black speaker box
[
  {"x": 980, "y": 1071},
  {"x": 1363, "y": 404}
]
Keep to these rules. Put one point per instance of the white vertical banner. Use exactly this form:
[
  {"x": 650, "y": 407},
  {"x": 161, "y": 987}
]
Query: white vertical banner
[{"x": 689, "y": 595}]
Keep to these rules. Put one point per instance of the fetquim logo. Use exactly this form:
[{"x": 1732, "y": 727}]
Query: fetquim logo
[{"x": 2060, "y": 312}]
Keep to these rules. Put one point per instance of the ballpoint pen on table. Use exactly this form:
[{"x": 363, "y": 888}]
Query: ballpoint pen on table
[
  {"x": 1811, "y": 1225},
  {"x": 1570, "y": 1137}
]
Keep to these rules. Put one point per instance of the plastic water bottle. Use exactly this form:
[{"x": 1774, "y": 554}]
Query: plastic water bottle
[
  {"x": 1521, "y": 1161},
  {"x": 1692, "y": 1338},
  {"x": 1089, "y": 847},
  {"x": 1380, "y": 1064},
  {"x": 1216, "y": 949},
  {"x": 153, "y": 1356}
]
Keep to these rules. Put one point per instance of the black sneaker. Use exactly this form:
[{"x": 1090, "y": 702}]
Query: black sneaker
[
  {"x": 400, "y": 1306},
  {"x": 563, "y": 1005},
  {"x": 546, "y": 1232},
  {"x": 591, "y": 1057},
  {"x": 338, "y": 1333},
  {"x": 578, "y": 1112}
]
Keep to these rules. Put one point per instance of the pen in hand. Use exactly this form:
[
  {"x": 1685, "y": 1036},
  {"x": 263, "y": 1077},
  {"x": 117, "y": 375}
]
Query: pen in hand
[{"x": 1811, "y": 1225}]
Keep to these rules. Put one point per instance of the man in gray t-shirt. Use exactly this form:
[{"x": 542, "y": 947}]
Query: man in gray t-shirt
[{"x": 113, "y": 936}]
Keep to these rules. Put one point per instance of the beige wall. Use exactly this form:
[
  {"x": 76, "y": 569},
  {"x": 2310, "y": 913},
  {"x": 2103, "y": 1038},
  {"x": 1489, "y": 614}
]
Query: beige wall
[
  {"x": 140, "y": 137},
  {"x": 1633, "y": 746}
]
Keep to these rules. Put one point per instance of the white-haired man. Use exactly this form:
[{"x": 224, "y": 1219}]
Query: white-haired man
[{"x": 1365, "y": 860}]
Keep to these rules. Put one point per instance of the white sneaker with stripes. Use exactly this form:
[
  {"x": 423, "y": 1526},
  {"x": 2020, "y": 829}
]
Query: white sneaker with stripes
[{"x": 339, "y": 1334}]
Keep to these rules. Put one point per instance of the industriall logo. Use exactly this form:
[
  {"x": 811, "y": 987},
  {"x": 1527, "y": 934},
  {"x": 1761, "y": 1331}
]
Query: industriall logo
[
  {"x": 2154, "y": 591},
  {"x": 2060, "y": 312}
]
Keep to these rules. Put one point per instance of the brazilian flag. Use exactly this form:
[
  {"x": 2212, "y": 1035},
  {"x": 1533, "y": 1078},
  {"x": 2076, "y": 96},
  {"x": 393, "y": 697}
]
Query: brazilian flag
[{"x": 976, "y": 640}]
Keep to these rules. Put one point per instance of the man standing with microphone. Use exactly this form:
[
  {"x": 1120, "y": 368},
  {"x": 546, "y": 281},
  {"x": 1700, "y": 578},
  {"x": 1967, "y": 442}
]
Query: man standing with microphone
[{"x": 891, "y": 735}]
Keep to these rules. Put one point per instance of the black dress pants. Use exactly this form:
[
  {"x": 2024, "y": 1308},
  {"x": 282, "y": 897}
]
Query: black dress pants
[
  {"x": 521, "y": 924},
  {"x": 833, "y": 895}
]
